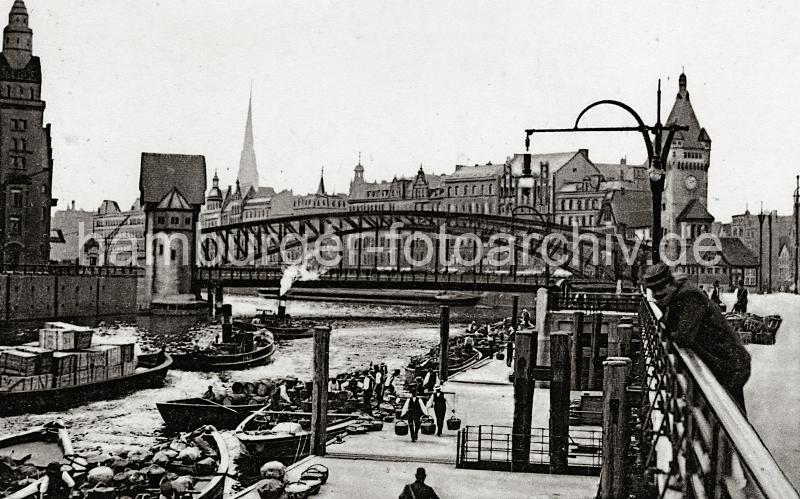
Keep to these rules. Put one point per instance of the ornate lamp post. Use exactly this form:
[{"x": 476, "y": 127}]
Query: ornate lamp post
[
  {"x": 796, "y": 231},
  {"x": 761, "y": 216},
  {"x": 525, "y": 183},
  {"x": 657, "y": 152},
  {"x": 770, "y": 252}
]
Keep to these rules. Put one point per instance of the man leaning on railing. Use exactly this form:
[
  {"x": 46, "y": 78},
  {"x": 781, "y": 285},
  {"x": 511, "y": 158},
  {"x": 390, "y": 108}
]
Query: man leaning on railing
[{"x": 692, "y": 321}]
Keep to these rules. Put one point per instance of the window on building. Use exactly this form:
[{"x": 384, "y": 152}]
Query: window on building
[
  {"x": 174, "y": 220},
  {"x": 18, "y": 125},
  {"x": 187, "y": 221},
  {"x": 172, "y": 255},
  {"x": 16, "y": 198},
  {"x": 44, "y": 213},
  {"x": 161, "y": 219},
  {"x": 18, "y": 162},
  {"x": 14, "y": 226}
]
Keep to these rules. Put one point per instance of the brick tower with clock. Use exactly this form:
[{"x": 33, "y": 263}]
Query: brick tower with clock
[{"x": 684, "y": 210}]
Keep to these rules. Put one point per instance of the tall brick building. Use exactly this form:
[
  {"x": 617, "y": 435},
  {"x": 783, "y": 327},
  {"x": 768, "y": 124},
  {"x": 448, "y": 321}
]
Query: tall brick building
[{"x": 26, "y": 158}]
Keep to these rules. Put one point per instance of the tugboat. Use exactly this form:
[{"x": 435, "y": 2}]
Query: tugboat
[
  {"x": 242, "y": 350},
  {"x": 281, "y": 324}
]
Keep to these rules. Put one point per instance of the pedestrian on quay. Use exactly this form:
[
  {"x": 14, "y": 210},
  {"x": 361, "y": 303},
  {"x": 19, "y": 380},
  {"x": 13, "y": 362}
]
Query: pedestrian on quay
[
  {"x": 56, "y": 484},
  {"x": 715, "y": 294},
  {"x": 439, "y": 405},
  {"x": 692, "y": 322},
  {"x": 419, "y": 385},
  {"x": 526, "y": 318},
  {"x": 209, "y": 395},
  {"x": 430, "y": 381},
  {"x": 510, "y": 349},
  {"x": 379, "y": 379},
  {"x": 741, "y": 298},
  {"x": 413, "y": 410},
  {"x": 367, "y": 385},
  {"x": 491, "y": 343},
  {"x": 418, "y": 489}
]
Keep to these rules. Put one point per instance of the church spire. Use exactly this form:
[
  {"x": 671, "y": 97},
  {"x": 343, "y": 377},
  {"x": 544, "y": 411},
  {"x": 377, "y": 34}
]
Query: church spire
[
  {"x": 17, "y": 37},
  {"x": 248, "y": 169},
  {"x": 321, "y": 187}
]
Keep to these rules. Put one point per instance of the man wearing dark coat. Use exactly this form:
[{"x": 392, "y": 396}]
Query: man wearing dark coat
[
  {"x": 741, "y": 299},
  {"x": 413, "y": 410},
  {"x": 692, "y": 322},
  {"x": 418, "y": 489}
]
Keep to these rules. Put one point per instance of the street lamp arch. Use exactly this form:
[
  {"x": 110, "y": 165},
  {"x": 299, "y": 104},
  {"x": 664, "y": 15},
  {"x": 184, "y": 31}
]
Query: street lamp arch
[{"x": 643, "y": 129}]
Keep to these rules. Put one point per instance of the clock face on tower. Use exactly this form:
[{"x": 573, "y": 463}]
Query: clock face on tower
[{"x": 691, "y": 182}]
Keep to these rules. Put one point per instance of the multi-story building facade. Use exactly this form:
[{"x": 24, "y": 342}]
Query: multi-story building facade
[
  {"x": 780, "y": 231},
  {"x": 472, "y": 189},
  {"x": 26, "y": 158},
  {"x": 423, "y": 192},
  {"x": 115, "y": 237}
]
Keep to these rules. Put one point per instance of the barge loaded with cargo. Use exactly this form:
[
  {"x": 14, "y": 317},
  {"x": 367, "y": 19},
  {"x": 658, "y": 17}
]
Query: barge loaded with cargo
[{"x": 64, "y": 369}]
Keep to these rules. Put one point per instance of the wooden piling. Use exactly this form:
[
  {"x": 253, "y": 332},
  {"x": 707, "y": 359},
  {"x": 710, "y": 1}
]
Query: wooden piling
[
  {"x": 614, "y": 346},
  {"x": 576, "y": 351},
  {"x": 319, "y": 394},
  {"x": 525, "y": 348},
  {"x": 210, "y": 301},
  {"x": 444, "y": 341},
  {"x": 613, "y": 474},
  {"x": 514, "y": 312},
  {"x": 218, "y": 298},
  {"x": 560, "y": 359},
  {"x": 594, "y": 353},
  {"x": 543, "y": 320}
]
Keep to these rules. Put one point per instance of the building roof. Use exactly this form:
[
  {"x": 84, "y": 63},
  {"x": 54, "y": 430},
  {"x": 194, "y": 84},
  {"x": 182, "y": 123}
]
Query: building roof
[
  {"x": 695, "y": 210},
  {"x": 634, "y": 209},
  {"x": 160, "y": 173},
  {"x": 174, "y": 201},
  {"x": 464, "y": 172},
  {"x": 556, "y": 160},
  {"x": 108, "y": 207},
  {"x": 736, "y": 253},
  {"x": 682, "y": 113}
]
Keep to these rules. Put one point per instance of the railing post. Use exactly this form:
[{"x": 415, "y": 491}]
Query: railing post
[
  {"x": 576, "y": 361},
  {"x": 613, "y": 473},
  {"x": 559, "y": 401},
  {"x": 480, "y": 442},
  {"x": 594, "y": 354},
  {"x": 444, "y": 342}
]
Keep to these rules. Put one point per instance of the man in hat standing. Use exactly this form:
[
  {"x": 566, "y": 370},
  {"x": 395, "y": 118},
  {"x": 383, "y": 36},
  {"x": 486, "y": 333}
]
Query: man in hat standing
[
  {"x": 692, "y": 321},
  {"x": 741, "y": 298},
  {"x": 439, "y": 405},
  {"x": 418, "y": 489}
]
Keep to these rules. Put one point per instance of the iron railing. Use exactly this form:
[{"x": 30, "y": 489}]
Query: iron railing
[
  {"x": 695, "y": 441},
  {"x": 72, "y": 270},
  {"x": 593, "y": 301},
  {"x": 489, "y": 447}
]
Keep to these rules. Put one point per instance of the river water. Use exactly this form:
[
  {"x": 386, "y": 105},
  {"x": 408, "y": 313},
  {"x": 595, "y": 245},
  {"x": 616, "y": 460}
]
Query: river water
[
  {"x": 772, "y": 394},
  {"x": 133, "y": 420}
]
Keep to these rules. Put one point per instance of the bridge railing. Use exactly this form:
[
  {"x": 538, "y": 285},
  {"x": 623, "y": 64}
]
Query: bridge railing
[
  {"x": 695, "y": 440},
  {"x": 376, "y": 275},
  {"x": 594, "y": 301},
  {"x": 71, "y": 270}
]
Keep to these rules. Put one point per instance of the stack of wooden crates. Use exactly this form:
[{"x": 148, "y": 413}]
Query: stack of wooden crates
[{"x": 63, "y": 357}]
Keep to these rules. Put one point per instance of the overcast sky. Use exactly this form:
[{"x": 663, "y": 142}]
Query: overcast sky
[{"x": 407, "y": 83}]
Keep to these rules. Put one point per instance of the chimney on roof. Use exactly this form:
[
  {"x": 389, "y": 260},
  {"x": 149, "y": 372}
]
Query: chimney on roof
[
  {"x": 73, "y": 205},
  {"x": 584, "y": 152},
  {"x": 623, "y": 161}
]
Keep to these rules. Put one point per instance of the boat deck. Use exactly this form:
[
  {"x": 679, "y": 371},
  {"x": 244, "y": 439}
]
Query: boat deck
[{"x": 378, "y": 464}]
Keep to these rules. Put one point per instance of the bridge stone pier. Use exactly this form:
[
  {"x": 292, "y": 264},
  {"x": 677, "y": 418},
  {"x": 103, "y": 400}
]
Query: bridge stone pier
[{"x": 172, "y": 191}]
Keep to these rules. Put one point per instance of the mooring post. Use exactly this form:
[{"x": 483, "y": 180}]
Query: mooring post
[
  {"x": 210, "y": 300},
  {"x": 227, "y": 325},
  {"x": 514, "y": 312},
  {"x": 594, "y": 354},
  {"x": 560, "y": 360},
  {"x": 319, "y": 394},
  {"x": 614, "y": 343},
  {"x": 525, "y": 346},
  {"x": 444, "y": 341},
  {"x": 576, "y": 351},
  {"x": 615, "y": 428},
  {"x": 542, "y": 331}
]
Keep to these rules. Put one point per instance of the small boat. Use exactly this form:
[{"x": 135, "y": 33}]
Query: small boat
[
  {"x": 39, "y": 447},
  {"x": 281, "y": 324},
  {"x": 213, "y": 486},
  {"x": 151, "y": 369},
  {"x": 283, "y": 435},
  {"x": 203, "y": 361},
  {"x": 186, "y": 414}
]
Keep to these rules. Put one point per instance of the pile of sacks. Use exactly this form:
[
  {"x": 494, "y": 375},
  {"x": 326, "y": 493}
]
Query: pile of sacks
[{"x": 170, "y": 466}]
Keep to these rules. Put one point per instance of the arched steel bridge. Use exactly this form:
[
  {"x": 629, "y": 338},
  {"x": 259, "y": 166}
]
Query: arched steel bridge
[{"x": 245, "y": 250}]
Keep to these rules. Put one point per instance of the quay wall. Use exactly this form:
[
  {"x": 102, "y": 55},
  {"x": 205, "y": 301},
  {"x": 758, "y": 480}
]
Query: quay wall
[{"x": 49, "y": 297}]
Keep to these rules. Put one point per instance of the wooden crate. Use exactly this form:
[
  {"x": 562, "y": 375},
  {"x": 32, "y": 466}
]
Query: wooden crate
[
  {"x": 18, "y": 363},
  {"x": 99, "y": 373},
  {"x": 128, "y": 368},
  {"x": 98, "y": 357},
  {"x": 127, "y": 351},
  {"x": 57, "y": 339},
  {"x": 64, "y": 363},
  {"x": 82, "y": 359},
  {"x": 25, "y": 383},
  {"x": 114, "y": 371},
  {"x": 113, "y": 354},
  {"x": 44, "y": 357},
  {"x": 83, "y": 376},
  {"x": 64, "y": 380}
]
